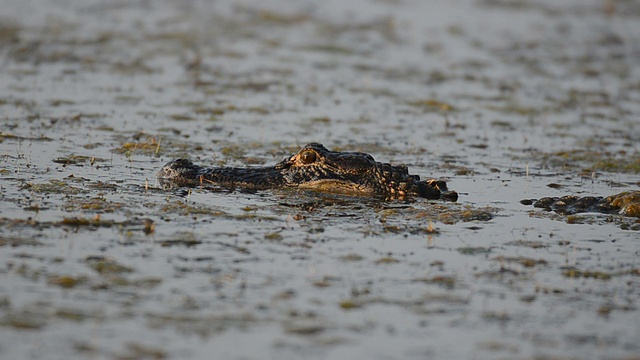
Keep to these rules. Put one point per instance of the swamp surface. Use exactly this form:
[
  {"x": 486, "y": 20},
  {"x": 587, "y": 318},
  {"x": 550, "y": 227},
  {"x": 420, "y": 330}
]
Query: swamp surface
[{"x": 506, "y": 100}]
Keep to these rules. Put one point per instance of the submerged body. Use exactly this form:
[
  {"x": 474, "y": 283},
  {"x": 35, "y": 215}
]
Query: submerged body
[
  {"x": 314, "y": 167},
  {"x": 625, "y": 203}
]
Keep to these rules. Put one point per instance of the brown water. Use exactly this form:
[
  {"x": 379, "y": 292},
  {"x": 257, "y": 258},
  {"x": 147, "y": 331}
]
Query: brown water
[{"x": 501, "y": 98}]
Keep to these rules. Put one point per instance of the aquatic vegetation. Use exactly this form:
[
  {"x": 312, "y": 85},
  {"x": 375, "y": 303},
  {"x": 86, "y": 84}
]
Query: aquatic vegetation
[
  {"x": 54, "y": 187},
  {"x": 149, "y": 146},
  {"x": 106, "y": 266},
  {"x": 432, "y": 105},
  {"x": 66, "y": 281},
  {"x": 98, "y": 261},
  {"x": 474, "y": 250},
  {"x": 387, "y": 260},
  {"x": 576, "y": 273}
]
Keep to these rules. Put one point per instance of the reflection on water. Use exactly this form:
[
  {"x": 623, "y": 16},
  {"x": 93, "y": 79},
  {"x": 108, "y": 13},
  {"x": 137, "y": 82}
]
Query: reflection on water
[{"x": 507, "y": 101}]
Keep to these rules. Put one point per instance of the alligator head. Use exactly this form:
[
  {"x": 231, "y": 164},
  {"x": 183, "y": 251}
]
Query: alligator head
[{"x": 314, "y": 167}]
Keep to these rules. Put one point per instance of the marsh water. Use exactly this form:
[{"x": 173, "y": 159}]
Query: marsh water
[{"x": 506, "y": 100}]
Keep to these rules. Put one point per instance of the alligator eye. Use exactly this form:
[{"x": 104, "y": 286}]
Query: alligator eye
[{"x": 308, "y": 157}]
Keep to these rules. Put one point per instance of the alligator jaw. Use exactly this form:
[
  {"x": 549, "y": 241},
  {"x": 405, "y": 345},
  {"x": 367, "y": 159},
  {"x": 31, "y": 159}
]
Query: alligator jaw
[
  {"x": 316, "y": 168},
  {"x": 183, "y": 172},
  {"x": 178, "y": 173},
  {"x": 337, "y": 187},
  {"x": 436, "y": 190}
]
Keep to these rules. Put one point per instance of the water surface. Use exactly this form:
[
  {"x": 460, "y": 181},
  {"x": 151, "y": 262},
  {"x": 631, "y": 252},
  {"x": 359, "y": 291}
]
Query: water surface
[{"x": 500, "y": 98}]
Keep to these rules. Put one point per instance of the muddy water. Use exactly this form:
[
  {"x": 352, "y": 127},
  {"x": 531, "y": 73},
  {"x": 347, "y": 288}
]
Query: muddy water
[{"x": 506, "y": 100}]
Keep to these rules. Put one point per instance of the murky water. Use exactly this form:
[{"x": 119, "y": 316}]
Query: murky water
[{"x": 501, "y": 98}]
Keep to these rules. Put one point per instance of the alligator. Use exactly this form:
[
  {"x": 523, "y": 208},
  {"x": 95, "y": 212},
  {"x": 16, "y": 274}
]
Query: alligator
[{"x": 316, "y": 168}]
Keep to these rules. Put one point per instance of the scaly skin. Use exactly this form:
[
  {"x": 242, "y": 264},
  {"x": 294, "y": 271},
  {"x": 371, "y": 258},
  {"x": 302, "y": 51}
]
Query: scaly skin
[
  {"x": 626, "y": 203},
  {"x": 358, "y": 174},
  {"x": 313, "y": 168}
]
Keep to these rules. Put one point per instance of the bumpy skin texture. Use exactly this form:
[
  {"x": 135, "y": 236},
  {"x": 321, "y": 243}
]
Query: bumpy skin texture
[
  {"x": 314, "y": 168},
  {"x": 625, "y": 203}
]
